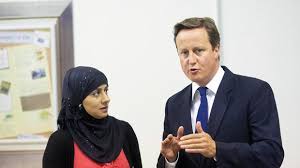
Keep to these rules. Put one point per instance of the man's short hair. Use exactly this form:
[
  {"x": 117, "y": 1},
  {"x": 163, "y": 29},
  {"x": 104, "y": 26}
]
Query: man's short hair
[{"x": 194, "y": 22}]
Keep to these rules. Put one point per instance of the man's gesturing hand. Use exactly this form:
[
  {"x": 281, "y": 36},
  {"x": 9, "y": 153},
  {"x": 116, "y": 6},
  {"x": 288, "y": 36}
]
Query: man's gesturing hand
[
  {"x": 200, "y": 142},
  {"x": 170, "y": 146}
]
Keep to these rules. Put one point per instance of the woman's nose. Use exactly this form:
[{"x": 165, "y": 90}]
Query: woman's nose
[{"x": 105, "y": 99}]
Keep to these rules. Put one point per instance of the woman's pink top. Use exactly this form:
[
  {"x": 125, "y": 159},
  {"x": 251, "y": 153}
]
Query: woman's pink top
[{"x": 83, "y": 161}]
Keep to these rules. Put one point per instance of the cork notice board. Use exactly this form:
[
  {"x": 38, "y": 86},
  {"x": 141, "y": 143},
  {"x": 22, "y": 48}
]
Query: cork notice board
[{"x": 28, "y": 81}]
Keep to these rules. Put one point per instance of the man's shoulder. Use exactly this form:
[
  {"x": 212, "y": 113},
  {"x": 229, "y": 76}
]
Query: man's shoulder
[
  {"x": 247, "y": 85},
  {"x": 249, "y": 81},
  {"x": 182, "y": 93},
  {"x": 242, "y": 79}
]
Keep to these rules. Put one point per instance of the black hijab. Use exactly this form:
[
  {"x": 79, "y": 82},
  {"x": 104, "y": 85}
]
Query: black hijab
[{"x": 100, "y": 139}]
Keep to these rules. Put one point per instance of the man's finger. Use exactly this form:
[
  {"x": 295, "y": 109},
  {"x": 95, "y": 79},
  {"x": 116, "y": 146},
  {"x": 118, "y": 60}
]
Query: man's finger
[
  {"x": 191, "y": 136},
  {"x": 168, "y": 139},
  {"x": 195, "y": 150},
  {"x": 180, "y": 132},
  {"x": 194, "y": 140},
  {"x": 192, "y": 146},
  {"x": 170, "y": 136},
  {"x": 199, "y": 127}
]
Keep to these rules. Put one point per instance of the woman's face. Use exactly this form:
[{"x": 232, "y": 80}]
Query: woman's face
[{"x": 96, "y": 103}]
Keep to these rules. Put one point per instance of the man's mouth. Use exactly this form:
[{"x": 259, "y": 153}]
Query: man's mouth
[{"x": 193, "y": 70}]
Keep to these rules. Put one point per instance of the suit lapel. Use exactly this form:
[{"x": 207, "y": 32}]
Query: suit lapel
[
  {"x": 221, "y": 102},
  {"x": 184, "y": 110}
]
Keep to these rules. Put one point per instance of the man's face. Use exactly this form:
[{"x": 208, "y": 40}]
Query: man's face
[{"x": 199, "y": 61}]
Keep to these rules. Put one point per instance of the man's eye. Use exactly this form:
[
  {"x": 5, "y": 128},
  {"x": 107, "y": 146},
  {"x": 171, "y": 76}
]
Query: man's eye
[
  {"x": 198, "y": 51},
  {"x": 184, "y": 54}
]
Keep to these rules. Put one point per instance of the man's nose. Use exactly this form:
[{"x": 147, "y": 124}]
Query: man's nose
[{"x": 192, "y": 58}]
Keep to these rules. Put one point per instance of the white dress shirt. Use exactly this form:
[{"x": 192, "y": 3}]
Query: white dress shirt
[{"x": 212, "y": 88}]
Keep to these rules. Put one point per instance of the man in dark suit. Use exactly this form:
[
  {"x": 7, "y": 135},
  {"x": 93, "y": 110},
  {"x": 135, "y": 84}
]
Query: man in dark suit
[{"x": 239, "y": 125}]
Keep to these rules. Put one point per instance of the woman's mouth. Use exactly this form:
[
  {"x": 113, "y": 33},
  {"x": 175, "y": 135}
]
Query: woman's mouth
[{"x": 104, "y": 108}]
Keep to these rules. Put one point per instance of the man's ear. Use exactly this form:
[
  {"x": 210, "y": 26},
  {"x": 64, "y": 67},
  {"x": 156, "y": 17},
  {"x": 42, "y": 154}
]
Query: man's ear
[{"x": 217, "y": 51}]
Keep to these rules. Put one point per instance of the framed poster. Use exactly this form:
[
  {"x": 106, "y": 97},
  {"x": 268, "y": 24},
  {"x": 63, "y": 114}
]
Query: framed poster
[
  {"x": 28, "y": 87},
  {"x": 36, "y": 49}
]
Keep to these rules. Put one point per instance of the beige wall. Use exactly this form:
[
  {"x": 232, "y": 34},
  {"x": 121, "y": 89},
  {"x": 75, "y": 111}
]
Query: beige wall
[{"x": 21, "y": 159}]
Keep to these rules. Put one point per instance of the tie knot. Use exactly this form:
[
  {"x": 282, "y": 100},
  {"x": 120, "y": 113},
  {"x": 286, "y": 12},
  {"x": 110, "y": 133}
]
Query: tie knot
[{"x": 202, "y": 91}]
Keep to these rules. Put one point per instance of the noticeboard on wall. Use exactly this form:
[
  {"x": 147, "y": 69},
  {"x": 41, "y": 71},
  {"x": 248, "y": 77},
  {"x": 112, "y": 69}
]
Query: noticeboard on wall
[
  {"x": 36, "y": 49},
  {"x": 28, "y": 86}
]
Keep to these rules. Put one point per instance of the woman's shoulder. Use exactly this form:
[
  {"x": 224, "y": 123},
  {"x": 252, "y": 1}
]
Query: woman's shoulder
[
  {"x": 59, "y": 151},
  {"x": 60, "y": 137},
  {"x": 119, "y": 122},
  {"x": 124, "y": 125}
]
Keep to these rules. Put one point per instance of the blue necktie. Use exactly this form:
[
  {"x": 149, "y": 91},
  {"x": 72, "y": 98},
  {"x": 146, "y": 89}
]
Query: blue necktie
[{"x": 202, "y": 115}]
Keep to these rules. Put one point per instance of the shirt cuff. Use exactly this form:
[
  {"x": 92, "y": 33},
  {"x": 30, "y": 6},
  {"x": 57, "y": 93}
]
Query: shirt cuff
[{"x": 171, "y": 164}]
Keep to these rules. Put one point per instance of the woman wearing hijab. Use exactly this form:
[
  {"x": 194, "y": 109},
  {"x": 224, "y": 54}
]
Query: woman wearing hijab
[{"x": 87, "y": 137}]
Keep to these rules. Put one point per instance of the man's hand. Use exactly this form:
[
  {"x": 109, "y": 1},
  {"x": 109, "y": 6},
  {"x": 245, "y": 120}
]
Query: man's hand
[
  {"x": 170, "y": 146},
  {"x": 200, "y": 142}
]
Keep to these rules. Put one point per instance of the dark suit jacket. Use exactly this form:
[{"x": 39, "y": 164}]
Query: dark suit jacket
[{"x": 243, "y": 122}]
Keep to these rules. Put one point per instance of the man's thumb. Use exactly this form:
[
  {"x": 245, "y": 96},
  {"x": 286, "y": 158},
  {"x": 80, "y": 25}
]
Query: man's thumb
[{"x": 199, "y": 127}]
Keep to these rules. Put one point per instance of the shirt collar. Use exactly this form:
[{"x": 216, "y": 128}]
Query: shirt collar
[{"x": 212, "y": 85}]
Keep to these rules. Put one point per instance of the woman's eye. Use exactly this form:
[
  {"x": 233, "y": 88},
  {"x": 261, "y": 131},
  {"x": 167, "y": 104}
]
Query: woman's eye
[{"x": 95, "y": 94}]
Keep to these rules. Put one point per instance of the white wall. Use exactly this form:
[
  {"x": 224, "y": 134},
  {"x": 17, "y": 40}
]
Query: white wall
[
  {"x": 259, "y": 38},
  {"x": 262, "y": 39},
  {"x": 132, "y": 43}
]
